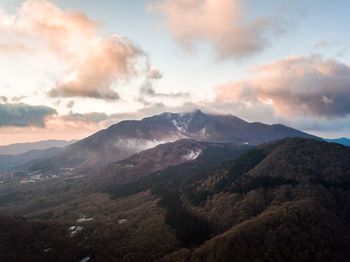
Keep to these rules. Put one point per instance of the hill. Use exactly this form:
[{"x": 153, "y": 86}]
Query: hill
[
  {"x": 203, "y": 154},
  {"x": 21, "y": 148},
  {"x": 282, "y": 201},
  {"x": 25, "y": 160},
  {"x": 286, "y": 201},
  {"x": 342, "y": 141}
]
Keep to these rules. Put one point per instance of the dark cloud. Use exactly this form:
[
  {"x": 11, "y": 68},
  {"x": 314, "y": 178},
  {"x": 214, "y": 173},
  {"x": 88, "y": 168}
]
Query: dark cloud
[{"x": 23, "y": 115}]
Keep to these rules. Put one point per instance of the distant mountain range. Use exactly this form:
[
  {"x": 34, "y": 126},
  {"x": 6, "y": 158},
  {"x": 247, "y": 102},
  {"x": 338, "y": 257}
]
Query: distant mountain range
[
  {"x": 129, "y": 137},
  {"x": 343, "y": 141},
  {"x": 26, "y": 160},
  {"x": 20, "y": 148}
]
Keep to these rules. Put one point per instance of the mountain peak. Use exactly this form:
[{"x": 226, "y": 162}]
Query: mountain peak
[
  {"x": 128, "y": 137},
  {"x": 197, "y": 112},
  {"x": 186, "y": 113}
]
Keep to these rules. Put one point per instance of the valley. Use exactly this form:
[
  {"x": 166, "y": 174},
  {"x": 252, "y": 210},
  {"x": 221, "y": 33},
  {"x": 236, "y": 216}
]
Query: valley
[{"x": 188, "y": 200}]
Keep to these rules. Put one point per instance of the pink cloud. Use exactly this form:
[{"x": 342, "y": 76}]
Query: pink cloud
[
  {"x": 221, "y": 23},
  {"x": 91, "y": 64},
  {"x": 296, "y": 86}
]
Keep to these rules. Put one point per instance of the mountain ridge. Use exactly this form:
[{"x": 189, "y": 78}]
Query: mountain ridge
[
  {"x": 163, "y": 156},
  {"x": 343, "y": 141},
  {"x": 286, "y": 200},
  {"x": 21, "y": 148},
  {"x": 128, "y": 137}
]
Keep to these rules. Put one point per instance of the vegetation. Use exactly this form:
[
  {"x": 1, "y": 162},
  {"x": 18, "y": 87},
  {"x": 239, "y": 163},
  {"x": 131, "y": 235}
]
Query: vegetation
[
  {"x": 284, "y": 201},
  {"x": 190, "y": 229}
]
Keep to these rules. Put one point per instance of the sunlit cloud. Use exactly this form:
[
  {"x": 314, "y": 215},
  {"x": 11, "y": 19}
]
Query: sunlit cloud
[
  {"x": 297, "y": 86},
  {"x": 223, "y": 24},
  {"x": 89, "y": 64}
]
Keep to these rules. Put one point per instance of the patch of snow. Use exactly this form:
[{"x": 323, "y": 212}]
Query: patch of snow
[
  {"x": 178, "y": 126},
  {"x": 73, "y": 230},
  {"x": 122, "y": 221},
  {"x": 67, "y": 168},
  {"x": 84, "y": 219},
  {"x": 85, "y": 259},
  {"x": 36, "y": 177},
  {"x": 192, "y": 154},
  {"x": 245, "y": 143},
  {"x": 203, "y": 133},
  {"x": 27, "y": 181}
]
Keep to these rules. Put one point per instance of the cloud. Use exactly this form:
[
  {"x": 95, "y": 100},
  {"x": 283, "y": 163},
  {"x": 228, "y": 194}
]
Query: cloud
[
  {"x": 154, "y": 74},
  {"x": 17, "y": 99},
  {"x": 98, "y": 120},
  {"x": 94, "y": 75},
  {"x": 93, "y": 117},
  {"x": 3, "y": 99},
  {"x": 70, "y": 104},
  {"x": 148, "y": 90},
  {"x": 13, "y": 48},
  {"x": 149, "y": 95},
  {"x": 297, "y": 86},
  {"x": 23, "y": 115},
  {"x": 89, "y": 64},
  {"x": 222, "y": 23}
]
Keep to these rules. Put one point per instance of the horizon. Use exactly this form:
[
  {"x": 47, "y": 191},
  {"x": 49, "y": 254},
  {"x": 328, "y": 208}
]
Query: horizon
[
  {"x": 72, "y": 68},
  {"x": 184, "y": 112}
]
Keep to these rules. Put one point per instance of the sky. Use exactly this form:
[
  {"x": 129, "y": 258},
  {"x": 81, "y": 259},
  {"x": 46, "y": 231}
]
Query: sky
[{"x": 72, "y": 67}]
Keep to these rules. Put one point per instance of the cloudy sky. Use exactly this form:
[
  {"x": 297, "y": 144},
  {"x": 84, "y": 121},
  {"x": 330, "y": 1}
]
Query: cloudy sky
[{"x": 72, "y": 67}]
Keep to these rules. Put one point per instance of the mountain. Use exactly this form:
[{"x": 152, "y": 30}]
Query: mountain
[
  {"x": 287, "y": 200},
  {"x": 342, "y": 141},
  {"x": 16, "y": 149},
  {"x": 129, "y": 137},
  {"x": 282, "y": 201},
  {"x": 166, "y": 155},
  {"x": 25, "y": 160}
]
